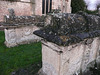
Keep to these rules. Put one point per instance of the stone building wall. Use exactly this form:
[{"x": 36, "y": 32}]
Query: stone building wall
[
  {"x": 20, "y": 8},
  {"x": 31, "y": 7},
  {"x": 65, "y": 5},
  {"x": 38, "y": 7}
]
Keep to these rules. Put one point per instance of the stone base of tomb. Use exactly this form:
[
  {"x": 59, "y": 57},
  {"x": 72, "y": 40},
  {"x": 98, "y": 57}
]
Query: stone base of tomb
[
  {"x": 69, "y": 60},
  {"x": 40, "y": 72},
  {"x": 20, "y": 35}
]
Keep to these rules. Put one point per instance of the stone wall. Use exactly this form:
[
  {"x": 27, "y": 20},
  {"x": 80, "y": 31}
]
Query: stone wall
[
  {"x": 64, "y": 5},
  {"x": 38, "y": 7},
  {"x": 20, "y": 8},
  {"x": 20, "y": 35},
  {"x": 32, "y": 7},
  {"x": 69, "y": 60}
]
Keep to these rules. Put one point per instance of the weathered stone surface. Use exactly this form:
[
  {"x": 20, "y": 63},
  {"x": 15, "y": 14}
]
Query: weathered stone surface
[
  {"x": 25, "y": 0},
  {"x": 19, "y": 29},
  {"x": 93, "y": 68},
  {"x": 64, "y": 5},
  {"x": 20, "y": 8},
  {"x": 22, "y": 35},
  {"x": 65, "y": 29},
  {"x": 25, "y": 20},
  {"x": 11, "y": 12},
  {"x": 69, "y": 60},
  {"x": 98, "y": 62},
  {"x": 92, "y": 21}
]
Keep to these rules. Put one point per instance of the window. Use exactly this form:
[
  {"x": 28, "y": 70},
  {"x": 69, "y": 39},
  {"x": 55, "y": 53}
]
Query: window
[{"x": 46, "y": 6}]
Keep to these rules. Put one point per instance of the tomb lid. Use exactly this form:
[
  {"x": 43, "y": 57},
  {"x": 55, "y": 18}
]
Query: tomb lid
[{"x": 66, "y": 29}]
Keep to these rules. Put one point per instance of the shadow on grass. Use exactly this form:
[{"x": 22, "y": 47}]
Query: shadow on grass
[{"x": 30, "y": 70}]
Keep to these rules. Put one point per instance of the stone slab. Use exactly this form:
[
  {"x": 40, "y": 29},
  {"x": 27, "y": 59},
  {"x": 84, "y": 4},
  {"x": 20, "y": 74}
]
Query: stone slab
[{"x": 21, "y": 35}]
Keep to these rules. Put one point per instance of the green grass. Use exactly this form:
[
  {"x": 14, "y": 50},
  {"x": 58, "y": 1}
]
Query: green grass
[{"x": 12, "y": 59}]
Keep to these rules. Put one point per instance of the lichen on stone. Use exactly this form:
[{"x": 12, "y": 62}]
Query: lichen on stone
[{"x": 66, "y": 29}]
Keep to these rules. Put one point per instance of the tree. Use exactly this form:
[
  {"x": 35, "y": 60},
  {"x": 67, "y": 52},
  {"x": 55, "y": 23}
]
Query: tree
[
  {"x": 98, "y": 5},
  {"x": 78, "y": 5}
]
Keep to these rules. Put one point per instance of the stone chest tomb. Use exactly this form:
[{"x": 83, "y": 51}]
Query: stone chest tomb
[
  {"x": 19, "y": 29},
  {"x": 72, "y": 41}
]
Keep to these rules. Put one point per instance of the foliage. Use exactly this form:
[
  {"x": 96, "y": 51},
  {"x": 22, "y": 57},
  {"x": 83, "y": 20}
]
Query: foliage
[
  {"x": 91, "y": 12},
  {"x": 12, "y": 59},
  {"x": 78, "y": 5}
]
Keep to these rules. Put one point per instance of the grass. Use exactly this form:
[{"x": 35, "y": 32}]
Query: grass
[{"x": 22, "y": 56}]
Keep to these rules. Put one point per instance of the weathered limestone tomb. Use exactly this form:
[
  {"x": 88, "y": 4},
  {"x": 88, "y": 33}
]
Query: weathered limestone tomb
[
  {"x": 72, "y": 41},
  {"x": 19, "y": 29}
]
